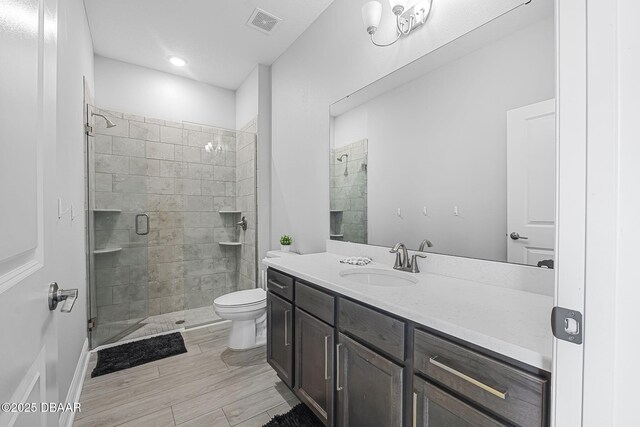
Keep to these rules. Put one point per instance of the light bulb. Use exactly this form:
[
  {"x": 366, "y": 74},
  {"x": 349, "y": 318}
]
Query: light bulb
[
  {"x": 371, "y": 14},
  {"x": 178, "y": 62}
]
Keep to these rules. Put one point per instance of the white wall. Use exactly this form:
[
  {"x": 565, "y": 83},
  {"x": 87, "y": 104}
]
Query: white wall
[
  {"x": 612, "y": 294},
  {"x": 436, "y": 134},
  {"x": 331, "y": 59},
  {"x": 129, "y": 88},
  {"x": 352, "y": 126},
  {"x": 264, "y": 160},
  {"x": 75, "y": 60},
  {"x": 247, "y": 100}
]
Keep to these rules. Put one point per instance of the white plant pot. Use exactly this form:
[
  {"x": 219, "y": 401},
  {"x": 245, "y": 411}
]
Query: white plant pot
[{"x": 285, "y": 248}]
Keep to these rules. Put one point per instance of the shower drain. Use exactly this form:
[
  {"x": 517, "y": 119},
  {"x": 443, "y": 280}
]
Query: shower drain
[{"x": 179, "y": 322}]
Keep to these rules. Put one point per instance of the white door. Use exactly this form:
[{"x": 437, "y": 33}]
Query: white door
[
  {"x": 531, "y": 183},
  {"x": 28, "y": 332}
]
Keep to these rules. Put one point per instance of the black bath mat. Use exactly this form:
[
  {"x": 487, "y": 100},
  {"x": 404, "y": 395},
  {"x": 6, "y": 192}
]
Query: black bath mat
[
  {"x": 136, "y": 353},
  {"x": 298, "y": 416}
]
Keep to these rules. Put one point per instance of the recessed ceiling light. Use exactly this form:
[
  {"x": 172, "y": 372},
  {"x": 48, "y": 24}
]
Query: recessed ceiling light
[{"x": 178, "y": 62}]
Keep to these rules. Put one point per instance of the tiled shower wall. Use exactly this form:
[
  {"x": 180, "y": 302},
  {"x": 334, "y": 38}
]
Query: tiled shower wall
[
  {"x": 161, "y": 168},
  {"x": 349, "y": 193},
  {"x": 246, "y": 202}
]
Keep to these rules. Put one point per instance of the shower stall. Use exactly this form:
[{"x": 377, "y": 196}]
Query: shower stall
[{"x": 171, "y": 222}]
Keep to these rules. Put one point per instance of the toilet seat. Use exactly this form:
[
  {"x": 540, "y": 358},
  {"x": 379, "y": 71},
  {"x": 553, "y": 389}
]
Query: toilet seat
[{"x": 247, "y": 299}]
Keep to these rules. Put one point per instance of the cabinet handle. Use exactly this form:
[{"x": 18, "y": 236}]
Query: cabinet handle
[
  {"x": 326, "y": 357},
  {"x": 286, "y": 327},
  {"x": 338, "y": 387},
  {"x": 276, "y": 284},
  {"x": 415, "y": 408},
  {"x": 497, "y": 393}
]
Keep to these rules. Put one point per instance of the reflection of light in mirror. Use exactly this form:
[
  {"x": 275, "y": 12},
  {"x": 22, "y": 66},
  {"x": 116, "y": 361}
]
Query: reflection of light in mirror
[
  {"x": 209, "y": 148},
  {"x": 15, "y": 16}
]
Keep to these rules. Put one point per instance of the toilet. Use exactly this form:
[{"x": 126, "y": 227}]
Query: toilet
[{"x": 247, "y": 311}]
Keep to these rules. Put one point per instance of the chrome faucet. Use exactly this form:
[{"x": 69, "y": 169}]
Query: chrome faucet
[
  {"x": 403, "y": 263},
  {"x": 242, "y": 223},
  {"x": 425, "y": 242}
]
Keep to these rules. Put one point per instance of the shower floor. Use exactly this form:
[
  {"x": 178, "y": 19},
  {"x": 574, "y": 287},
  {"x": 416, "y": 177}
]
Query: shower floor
[{"x": 138, "y": 328}]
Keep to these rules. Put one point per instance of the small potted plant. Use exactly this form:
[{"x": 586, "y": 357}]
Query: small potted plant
[{"x": 285, "y": 243}]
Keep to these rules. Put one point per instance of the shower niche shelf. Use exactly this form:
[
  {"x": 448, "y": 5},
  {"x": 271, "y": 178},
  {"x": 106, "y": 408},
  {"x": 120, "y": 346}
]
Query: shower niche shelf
[
  {"x": 335, "y": 211},
  {"x": 230, "y": 212},
  {"x": 106, "y": 251},
  {"x": 107, "y": 210},
  {"x": 230, "y": 243}
]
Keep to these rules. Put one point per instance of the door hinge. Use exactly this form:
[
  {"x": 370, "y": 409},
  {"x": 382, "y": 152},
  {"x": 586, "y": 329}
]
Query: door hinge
[
  {"x": 91, "y": 324},
  {"x": 566, "y": 324},
  {"x": 88, "y": 129}
]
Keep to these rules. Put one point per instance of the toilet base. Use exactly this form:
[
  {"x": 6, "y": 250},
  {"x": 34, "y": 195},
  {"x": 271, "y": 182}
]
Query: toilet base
[{"x": 243, "y": 335}]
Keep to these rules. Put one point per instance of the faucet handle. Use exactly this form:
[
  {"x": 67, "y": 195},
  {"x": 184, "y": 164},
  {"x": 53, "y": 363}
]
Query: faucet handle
[
  {"x": 414, "y": 262},
  {"x": 398, "y": 262}
]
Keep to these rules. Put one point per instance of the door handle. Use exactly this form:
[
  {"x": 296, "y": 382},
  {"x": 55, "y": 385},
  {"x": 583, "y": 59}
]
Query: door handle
[
  {"x": 286, "y": 328},
  {"x": 326, "y": 357},
  {"x": 338, "y": 387},
  {"x": 498, "y": 393},
  {"x": 277, "y": 285},
  {"x": 57, "y": 295},
  {"x": 138, "y": 224},
  {"x": 415, "y": 409},
  {"x": 516, "y": 236}
]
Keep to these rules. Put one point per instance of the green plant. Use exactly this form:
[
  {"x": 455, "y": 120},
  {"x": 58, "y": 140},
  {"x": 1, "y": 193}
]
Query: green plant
[{"x": 285, "y": 240}]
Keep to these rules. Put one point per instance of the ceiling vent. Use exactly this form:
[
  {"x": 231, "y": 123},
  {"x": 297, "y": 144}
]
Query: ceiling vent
[{"x": 263, "y": 21}]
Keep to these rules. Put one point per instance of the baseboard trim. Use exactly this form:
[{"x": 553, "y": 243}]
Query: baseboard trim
[{"x": 73, "y": 395}]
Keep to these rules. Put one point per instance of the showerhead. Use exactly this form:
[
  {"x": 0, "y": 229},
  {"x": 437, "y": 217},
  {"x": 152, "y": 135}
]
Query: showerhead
[
  {"x": 344, "y": 155},
  {"x": 110, "y": 124}
]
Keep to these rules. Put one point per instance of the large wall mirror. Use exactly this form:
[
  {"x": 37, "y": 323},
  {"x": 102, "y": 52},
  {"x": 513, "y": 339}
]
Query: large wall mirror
[{"x": 456, "y": 148}]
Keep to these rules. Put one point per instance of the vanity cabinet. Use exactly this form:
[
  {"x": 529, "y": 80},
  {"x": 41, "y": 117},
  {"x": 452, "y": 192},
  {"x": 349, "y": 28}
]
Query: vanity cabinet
[
  {"x": 356, "y": 365},
  {"x": 280, "y": 337},
  {"x": 314, "y": 364},
  {"x": 369, "y": 387}
]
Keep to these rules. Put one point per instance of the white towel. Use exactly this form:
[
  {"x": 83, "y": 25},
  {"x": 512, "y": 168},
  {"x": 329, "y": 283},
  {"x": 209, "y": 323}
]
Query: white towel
[{"x": 356, "y": 260}]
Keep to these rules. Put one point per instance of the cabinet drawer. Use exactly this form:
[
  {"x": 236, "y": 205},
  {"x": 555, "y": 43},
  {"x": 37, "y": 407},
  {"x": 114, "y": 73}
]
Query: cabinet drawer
[
  {"x": 509, "y": 392},
  {"x": 434, "y": 407},
  {"x": 280, "y": 284},
  {"x": 377, "y": 329},
  {"x": 315, "y": 301}
]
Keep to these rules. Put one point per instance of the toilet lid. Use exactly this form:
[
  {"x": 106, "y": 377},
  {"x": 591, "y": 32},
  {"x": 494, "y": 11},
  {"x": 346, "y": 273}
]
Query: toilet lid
[{"x": 240, "y": 298}]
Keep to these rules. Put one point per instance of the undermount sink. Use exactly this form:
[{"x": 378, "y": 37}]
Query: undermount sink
[{"x": 378, "y": 277}]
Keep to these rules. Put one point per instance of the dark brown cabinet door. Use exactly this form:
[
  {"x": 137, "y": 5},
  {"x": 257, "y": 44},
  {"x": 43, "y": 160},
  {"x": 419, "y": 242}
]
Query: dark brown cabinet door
[
  {"x": 314, "y": 365},
  {"x": 280, "y": 337},
  {"x": 433, "y": 407},
  {"x": 369, "y": 387}
]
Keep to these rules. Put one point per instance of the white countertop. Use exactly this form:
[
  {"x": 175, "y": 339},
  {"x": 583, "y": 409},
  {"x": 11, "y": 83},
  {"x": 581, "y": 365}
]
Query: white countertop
[{"x": 511, "y": 322}]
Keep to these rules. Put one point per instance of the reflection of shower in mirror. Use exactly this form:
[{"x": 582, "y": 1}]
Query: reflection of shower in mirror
[{"x": 346, "y": 169}]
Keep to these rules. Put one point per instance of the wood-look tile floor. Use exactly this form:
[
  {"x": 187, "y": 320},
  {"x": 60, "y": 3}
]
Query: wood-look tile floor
[{"x": 209, "y": 385}]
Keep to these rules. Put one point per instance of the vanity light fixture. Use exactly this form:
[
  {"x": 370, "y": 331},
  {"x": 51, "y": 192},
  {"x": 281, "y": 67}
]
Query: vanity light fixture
[
  {"x": 178, "y": 62},
  {"x": 407, "y": 19}
]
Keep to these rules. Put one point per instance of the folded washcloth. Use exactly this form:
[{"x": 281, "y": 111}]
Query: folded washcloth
[{"x": 356, "y": 260}]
